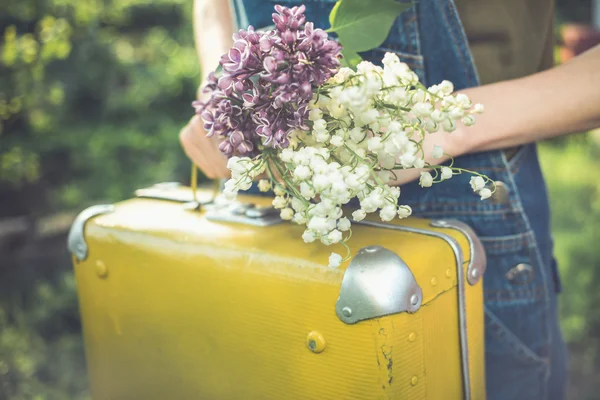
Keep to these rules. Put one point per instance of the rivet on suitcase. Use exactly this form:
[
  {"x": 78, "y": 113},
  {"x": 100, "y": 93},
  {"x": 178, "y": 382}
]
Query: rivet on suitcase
[{"x": 225, "y": 302}]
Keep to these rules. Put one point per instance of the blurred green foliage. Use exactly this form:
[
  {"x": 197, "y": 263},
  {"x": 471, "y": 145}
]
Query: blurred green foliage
[
  {"x": 41, "y": 351},
  {"x": 92, "y": 96},
  {"x": 570, "y": 166}
]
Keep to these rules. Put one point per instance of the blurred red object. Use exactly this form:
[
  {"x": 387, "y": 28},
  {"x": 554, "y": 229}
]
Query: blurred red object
[{"x": 575, "y": 39}]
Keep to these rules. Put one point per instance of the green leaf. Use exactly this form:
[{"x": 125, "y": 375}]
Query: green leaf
[
  {"x": 350, "y": 59},
  {"x": 364, "y": 25},
  {"x": 333, "y": 13}
]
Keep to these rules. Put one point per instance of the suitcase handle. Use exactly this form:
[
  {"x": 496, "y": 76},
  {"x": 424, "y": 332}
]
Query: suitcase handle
[{"x": 218, "y": 185}]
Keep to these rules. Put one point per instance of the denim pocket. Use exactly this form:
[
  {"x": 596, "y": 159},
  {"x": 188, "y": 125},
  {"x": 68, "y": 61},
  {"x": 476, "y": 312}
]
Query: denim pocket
[
  {"x": 513, "y": 273},
  {"x": 514, "y": 371},
  {"x": 516, "y": 318}
]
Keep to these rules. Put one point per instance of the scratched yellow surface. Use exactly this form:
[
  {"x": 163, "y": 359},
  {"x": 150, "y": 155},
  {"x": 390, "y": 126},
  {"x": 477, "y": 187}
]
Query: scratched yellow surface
[{"x": 177, "y": 307}]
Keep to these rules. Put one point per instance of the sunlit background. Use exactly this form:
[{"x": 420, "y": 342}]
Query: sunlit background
[{"x": 93, "y": 94}]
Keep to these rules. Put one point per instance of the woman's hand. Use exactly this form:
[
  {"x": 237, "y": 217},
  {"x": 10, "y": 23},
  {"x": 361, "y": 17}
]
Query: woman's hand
[
  {"x": 204, "y": 151},
  {"x": 453, "y": 145}
]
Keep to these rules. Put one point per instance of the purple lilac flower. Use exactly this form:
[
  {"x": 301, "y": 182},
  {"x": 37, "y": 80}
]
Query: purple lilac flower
[{"x": 266, "y": 83}]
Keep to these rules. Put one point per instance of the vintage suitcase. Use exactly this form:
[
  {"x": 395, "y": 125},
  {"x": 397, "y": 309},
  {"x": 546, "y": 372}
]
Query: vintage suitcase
[{"x": 226, "y": 302}]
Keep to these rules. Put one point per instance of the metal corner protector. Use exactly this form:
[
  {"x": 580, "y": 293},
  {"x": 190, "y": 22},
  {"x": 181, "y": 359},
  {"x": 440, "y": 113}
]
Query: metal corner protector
[
  {"x": 76, "y": 240},
  {"x": 377, "y": 283}
]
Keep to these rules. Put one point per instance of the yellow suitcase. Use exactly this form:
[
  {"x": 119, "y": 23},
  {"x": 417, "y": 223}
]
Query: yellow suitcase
[{"x": 224, "y": 302}]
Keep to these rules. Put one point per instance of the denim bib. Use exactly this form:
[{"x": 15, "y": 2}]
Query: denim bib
[{"x": 525, "y": 354}]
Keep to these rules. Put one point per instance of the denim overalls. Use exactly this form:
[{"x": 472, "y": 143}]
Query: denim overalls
[{"x": 525, "y": 352}]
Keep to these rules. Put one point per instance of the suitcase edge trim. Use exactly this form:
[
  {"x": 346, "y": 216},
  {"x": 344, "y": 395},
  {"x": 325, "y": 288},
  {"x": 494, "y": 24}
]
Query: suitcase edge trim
[{"x": 477, "y": 257}]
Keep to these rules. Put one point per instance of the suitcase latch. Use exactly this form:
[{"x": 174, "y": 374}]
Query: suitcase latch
[{"x": 243, "y": 213}]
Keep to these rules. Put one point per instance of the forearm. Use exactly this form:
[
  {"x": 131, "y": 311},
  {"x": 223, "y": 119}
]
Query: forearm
[
  {"x": 212, "y": 32},
  {"x": 556, "y": 102}
]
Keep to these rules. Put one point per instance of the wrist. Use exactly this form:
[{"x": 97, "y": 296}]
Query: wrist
[{"x": 462, "y": 141}]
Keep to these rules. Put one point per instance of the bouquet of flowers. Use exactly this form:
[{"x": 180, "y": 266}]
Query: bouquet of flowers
[{"x": 320, "y": 134}]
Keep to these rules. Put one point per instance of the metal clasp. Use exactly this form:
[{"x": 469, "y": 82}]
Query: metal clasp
[
  {"x": 522, "y": 274},
  {"x": 242, "y": 213}
]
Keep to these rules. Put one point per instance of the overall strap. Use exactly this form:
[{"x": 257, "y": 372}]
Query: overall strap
[
  {"x": 239, "y": 16},
  {"x": 444, "y": 44}
]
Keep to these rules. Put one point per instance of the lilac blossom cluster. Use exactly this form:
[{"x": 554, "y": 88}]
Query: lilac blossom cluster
[{"x": 266, "y": 83}]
